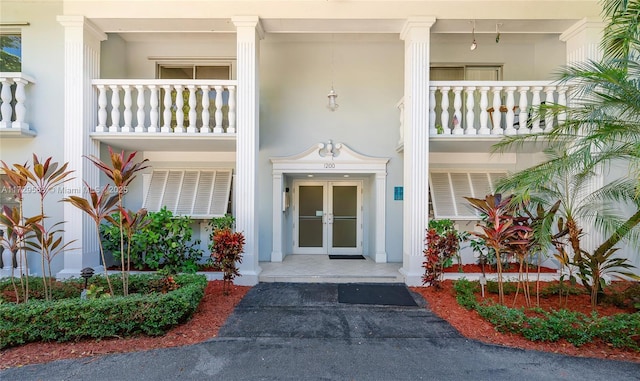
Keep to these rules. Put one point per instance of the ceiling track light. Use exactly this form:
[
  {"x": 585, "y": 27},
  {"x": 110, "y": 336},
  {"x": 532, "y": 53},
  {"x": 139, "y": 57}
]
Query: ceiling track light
[
  {"x": 474, "y": 45},
  {"x": 498, "y": 32}
]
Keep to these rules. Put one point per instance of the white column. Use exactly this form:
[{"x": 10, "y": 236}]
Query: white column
[
  {"x": 81, "y": 65},
  {"x": 128, "y": 114},
  {"x": 153, "y": 111},
  {"x": 484, "y": 115},
  {"x": 206, "y": 128},
  {"x": 249, "y": 34},
  {"x": 444, "y": 113},
  {"x": 524, "y": 110},
  {"x": 193, "y": 115},
  {"x": 509, "y": 129},
  {"x": 497, "y": 115},
  {"x": 278, "y": 210},
  {"x": 583, "y": 43},
  {"x": 20, "y": 109},
  {"x": 381, "y": 199},
  {"x": 416, "y": 36}
]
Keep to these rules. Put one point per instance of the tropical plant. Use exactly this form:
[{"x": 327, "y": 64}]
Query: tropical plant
[
  {"x": 99, "y": 206},
  {"x": 442, "y": 245},
  {"x": 44, "y": 177},
  {"x": 130, "y": 223},
  {"x": 598, "y": 129},
  {"x": 227, "y": 248},
  {"x": 499, "y": 230},
  {"x": 121, "y": 171}
]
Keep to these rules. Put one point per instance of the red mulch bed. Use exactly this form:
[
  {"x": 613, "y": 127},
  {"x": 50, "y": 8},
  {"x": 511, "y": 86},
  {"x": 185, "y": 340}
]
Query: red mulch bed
[
  {"x": 471, "y": 325},
  {"x": 209, "y": 317},
  {"x": 513, "y": 268}
]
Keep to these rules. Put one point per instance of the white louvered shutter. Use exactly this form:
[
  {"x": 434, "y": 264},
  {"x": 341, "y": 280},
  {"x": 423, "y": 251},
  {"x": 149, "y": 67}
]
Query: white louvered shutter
[
  {"x": 449, "y": 189},
  {"x": 443, "y": 204},
  {"x": 221, "y": 189}
]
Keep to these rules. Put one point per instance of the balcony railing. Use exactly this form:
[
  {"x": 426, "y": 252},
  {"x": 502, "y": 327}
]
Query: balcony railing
[
  {"x": 13, "y": 108},
  {"x": 484, "y": 108},
  {"x": 166, "y": 106}
]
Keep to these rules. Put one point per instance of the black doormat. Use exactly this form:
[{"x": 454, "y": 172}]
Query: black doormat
[
  {"x": 337, "y": 256},
  {"x": 380, "y": 294}
]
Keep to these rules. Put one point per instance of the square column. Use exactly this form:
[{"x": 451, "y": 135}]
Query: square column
[
  {"x": 416, "y": 36},
  {"x": 249, "y": 34},
  {"x": 81, "y": 65}
]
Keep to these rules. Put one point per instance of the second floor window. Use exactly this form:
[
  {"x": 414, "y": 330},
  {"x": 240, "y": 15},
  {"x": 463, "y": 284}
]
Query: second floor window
[{"x": 10, "y": 52}]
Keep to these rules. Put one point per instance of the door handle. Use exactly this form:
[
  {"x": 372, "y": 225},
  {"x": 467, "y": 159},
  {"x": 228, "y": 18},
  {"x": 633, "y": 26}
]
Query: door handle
[{"x": 330, "y": 218}]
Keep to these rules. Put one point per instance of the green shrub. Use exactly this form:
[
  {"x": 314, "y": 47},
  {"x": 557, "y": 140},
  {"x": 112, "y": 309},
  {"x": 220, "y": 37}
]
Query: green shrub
[
  {"x": 464, "y": 293},
  {"x": 73, "y": 319},
  {"x": 575, "y": 327},
  {"x": 165, "y": 243}
]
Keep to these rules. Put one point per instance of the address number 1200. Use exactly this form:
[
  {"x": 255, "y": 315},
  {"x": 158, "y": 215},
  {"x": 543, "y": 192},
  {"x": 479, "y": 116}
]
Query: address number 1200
[{"x": 329, "y": 165}]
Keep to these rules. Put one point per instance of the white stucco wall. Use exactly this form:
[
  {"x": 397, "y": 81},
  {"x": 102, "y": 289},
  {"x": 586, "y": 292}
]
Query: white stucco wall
[
  {"x": 296, "y": 75},
  {"x": 524, "y": 57},
  {"x": 43, "y": 60}
]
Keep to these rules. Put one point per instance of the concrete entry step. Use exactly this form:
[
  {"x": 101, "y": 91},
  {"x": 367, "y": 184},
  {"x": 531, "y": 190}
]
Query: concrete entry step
[{"x": 320, "y": 269}]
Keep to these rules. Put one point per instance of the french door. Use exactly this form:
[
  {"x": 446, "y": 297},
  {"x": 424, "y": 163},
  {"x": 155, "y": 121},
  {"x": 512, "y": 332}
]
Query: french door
[{"x": 327, "y": 217}]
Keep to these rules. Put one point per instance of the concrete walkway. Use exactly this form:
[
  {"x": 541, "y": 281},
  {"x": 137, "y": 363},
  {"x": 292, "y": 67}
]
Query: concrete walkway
[{"x": 288, "y": 331}]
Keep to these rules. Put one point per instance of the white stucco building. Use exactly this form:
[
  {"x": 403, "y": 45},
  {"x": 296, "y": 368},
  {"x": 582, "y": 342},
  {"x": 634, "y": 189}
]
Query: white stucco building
[{"x": 252, "y": 132}]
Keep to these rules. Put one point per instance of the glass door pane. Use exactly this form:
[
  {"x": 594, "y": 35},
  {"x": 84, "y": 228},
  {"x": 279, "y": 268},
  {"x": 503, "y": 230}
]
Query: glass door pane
[
  {"x": 310, "y": 225},
  {"x": 345, "y": 216}
]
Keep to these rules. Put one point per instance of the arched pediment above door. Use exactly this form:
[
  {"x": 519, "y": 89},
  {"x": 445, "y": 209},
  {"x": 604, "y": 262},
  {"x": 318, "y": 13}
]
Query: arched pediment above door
[{"x": 329, "y": 157}]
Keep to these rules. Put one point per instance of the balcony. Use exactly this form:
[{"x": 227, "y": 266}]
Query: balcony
[
  {"x": 166, "y": 115},
  {"x": 472, "y": 116},
  {"x": 14, "y": 88}
]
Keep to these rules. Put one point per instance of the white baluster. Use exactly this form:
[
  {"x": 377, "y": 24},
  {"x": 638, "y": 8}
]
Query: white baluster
[
  {"x": 206, "y": 123},
  {"x": 232, "y": 110},
  {"x": 484, "y": 115},
  {"x": 193, "y": 115},
  {"x": 457, "y": 113},
  {"x": 548, "y": 100},
  {"x": 511, "y": 103},
  {"x": 128, "y": 114},
  {"x": 471, "y": 116},
  {"x": 217, "y": 129},
  {"x": 562, "y": 101},
  {"x": 19, "y": 108},
  {"x": 115, "y": 109},
  {"x": 140, "y": 116},
  {"x": 102, "y": 109},
  {"x": 166, "y": 115},
  {"x": 432, "y": 111},
  {"x": 535, "y": 103},
  {"x": 6, "y": 110},
  {"x": 444, "y": 115},
  {"x": 153, "y": 112},
  {"x": 523, "y": 105},
  {"x": 497, "y": 115},
  {"x": 179, "y": 110}
]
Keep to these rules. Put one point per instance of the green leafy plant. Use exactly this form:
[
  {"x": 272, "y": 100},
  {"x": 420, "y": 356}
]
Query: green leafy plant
[
  {"x": 164, "y": 243},
  {"x": 95, "y": 292}
]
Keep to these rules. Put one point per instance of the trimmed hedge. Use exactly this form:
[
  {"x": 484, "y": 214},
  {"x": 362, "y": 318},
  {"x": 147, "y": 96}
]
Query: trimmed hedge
[
  {"x": 73, "y": 319},
  {"x": 577, "y": 328}
]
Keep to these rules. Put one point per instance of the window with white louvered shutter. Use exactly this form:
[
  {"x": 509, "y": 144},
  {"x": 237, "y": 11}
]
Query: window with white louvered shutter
[
  {"x": 448, "y": 189},
  {"x": 200, "y": 194}
]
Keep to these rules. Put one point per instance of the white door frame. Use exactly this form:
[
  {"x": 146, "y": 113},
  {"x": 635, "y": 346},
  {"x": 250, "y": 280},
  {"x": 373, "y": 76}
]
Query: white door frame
[
  {"x": 327, "y": 217},
  {"x": 335, "y": 160}
]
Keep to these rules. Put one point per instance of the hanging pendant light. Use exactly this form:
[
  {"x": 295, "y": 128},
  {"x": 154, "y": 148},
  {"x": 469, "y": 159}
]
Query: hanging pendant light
[
  {"x": 474, "y": 45},
  {"x": 332, "y": 105}
]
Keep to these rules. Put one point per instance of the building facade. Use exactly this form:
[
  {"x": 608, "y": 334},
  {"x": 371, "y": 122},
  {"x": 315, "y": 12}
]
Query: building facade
[{"x": 232, "y": 103}]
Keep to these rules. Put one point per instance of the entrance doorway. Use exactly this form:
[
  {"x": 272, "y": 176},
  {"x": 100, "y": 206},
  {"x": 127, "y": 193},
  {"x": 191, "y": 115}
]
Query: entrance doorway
[{"x": 327, "y": 217}]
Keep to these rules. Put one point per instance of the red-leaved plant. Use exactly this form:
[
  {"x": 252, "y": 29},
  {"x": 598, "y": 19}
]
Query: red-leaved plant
[
  {"x": 227, "y": 250},
  {"x": 499, "y": 231},
  {"x": 440, "y": 249}
]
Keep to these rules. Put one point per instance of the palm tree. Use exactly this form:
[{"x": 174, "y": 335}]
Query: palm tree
[{"x": 599, "y": 128}]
